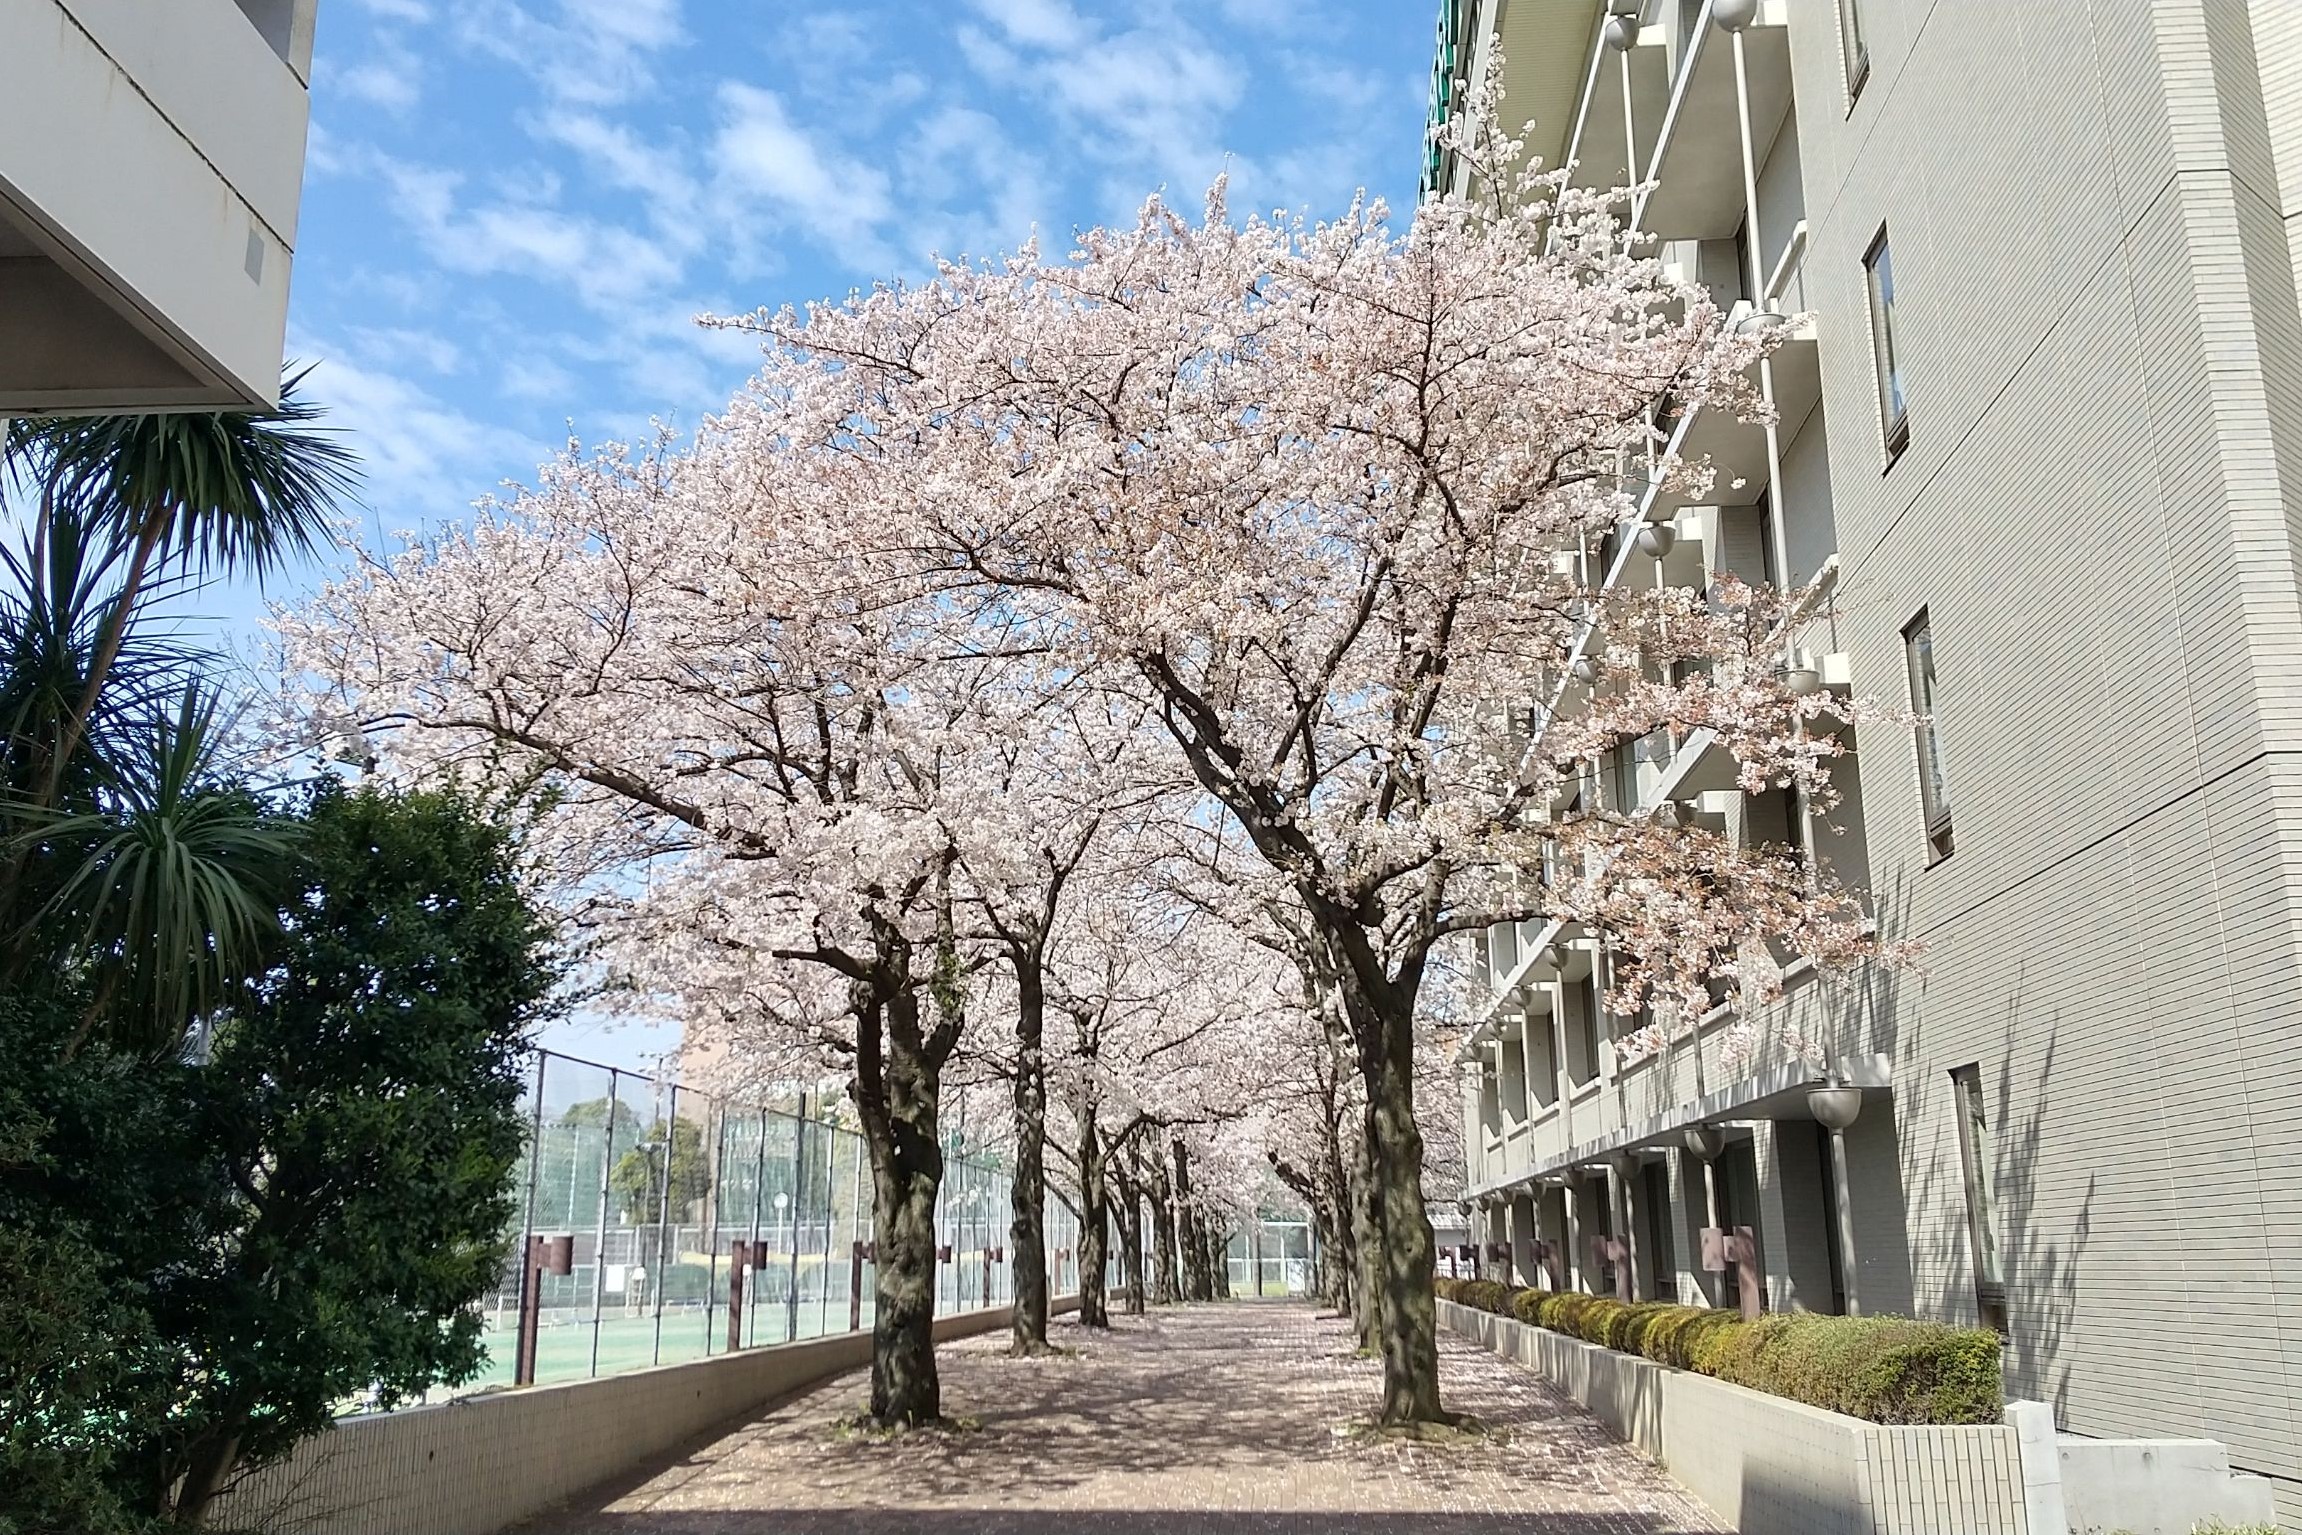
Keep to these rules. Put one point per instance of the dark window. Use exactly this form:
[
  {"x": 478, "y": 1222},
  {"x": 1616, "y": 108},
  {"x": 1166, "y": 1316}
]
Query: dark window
[
  {"x": 1933, "y": 792},
  {"x": 1856, "y": 55},
  {"x": 1894, "y": 419},
  {"x": 1974, "y": 1159},
  {"x": 1662, "y": 1258}
]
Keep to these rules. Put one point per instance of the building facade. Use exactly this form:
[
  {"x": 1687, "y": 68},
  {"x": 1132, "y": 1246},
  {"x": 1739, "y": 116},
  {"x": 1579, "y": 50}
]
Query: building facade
[
  {"x": 2040, "y": 434},
  {"x": 151, "y": 165}
]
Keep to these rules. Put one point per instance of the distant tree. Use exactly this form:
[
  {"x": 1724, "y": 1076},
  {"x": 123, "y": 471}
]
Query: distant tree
[{"x": 639, "y": 1173}]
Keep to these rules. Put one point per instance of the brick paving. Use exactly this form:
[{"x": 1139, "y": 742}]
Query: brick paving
[{"x": 1204, "y": 1420}]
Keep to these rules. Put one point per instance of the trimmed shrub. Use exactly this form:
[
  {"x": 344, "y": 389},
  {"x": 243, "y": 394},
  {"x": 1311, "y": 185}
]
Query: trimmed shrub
[
  {"x": 1559, "y": 1310},
  {"x": 1883, "y": 1369},
  {"x": 1486, "y": 1295},
  {"x": 1672, "y": 1335},
  {"x": 1448, "y": 1289}
]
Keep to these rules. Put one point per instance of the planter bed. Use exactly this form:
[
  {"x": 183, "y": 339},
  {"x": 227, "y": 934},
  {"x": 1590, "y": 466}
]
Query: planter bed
[{"x": 1769, "y": 1465}]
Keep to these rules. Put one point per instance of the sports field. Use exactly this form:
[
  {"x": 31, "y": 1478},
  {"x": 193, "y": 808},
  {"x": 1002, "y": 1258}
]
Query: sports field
[{"x": 564, "y": 1344}]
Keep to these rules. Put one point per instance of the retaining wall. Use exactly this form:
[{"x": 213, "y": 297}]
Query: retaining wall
[{"x": 474, "y": 1466}]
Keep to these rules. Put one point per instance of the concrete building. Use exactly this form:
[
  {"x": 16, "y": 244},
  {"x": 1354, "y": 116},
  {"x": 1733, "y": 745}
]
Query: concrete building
[
  {"x": 2041, "y": 431},
  {"x": 151, "y": 163}
]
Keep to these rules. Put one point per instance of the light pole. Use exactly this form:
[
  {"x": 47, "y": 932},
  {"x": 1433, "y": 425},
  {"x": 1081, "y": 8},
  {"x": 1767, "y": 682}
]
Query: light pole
[{"x": 1835, "y": 1107}]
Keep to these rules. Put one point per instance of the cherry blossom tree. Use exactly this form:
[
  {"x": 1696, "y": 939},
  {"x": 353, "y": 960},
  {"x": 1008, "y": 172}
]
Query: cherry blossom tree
[
  {"x": 774, "y": 739},
  {"x": 1310, "y": 486}
]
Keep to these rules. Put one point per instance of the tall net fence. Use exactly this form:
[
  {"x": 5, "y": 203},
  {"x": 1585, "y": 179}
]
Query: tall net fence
[{"x": 654, "y": 1184}]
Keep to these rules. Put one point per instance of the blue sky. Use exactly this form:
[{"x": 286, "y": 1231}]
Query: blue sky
[{"x": 515, "y": 209}]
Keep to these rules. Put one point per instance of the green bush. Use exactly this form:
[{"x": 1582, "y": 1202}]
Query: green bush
[
  {"x": 1884, "y": 1369},
  {"x": 1486, "y": 1295},
  {"x": 1672, "y": 1334}
]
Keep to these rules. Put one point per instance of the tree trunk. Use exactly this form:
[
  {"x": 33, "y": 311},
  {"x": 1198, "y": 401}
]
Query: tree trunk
[
  {"x": 1130, "y": 1225},
  {"x": 1219, "y": 1262},
  {"x": 1094, "y": 1298},
  {"x": 208, "y": 1470},
  {"x": 1028, "y": 1184},
  {"x": 1407, "y": 1258},
  {"x": 1165, "y": 1288},
  {"x": 901, "y": 1084},
  {"x": 1366, "y": 1250}
]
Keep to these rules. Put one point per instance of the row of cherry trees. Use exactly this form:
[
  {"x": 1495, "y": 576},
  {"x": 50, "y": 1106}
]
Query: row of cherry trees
[{"x": 1113, "y": 679}]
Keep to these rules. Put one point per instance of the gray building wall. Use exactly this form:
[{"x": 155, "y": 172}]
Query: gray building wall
[
  {"x": 2098, "y": 325},
  {"x": 2095, "y": 209}
]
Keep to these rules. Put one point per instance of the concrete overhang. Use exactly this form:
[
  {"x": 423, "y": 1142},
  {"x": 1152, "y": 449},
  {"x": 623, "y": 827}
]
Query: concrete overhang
[
  {"x": 151, "y": 171},
  {"x": 1550, "y": 50}
]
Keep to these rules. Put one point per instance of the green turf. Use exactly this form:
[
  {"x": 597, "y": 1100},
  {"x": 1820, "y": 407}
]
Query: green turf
[{"x": 564, "y": 1348}]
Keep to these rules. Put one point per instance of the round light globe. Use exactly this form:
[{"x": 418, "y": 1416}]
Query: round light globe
[
  {"x": 1834, "y": 1107},
  {"x": 1622, "y": 33},
  {"x": 1734, "y": 15},
  {"x": 1657, "y": 539},
  {"x": 1705, "y": 1141}
]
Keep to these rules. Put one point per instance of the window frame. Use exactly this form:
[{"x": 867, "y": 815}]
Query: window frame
[
  {"x": 1893, "y": 395},
  {"x": 1853, "y": 50},
  {"x": 1974, "y": 1153},
  {"x": 1933, "y": 783}
]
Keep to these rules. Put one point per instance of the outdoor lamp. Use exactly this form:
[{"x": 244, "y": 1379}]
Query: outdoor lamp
[
  {"x": 1835, "y": 1106},
  {"x": 1586, "y": 670},
  {"x": 1734, "y": 15},
  {"x": 1705, "y": 1141},
  {"x": 1760, "y": 322},
  {"x": 1622, "y": 31},
  {"x": 1800, "y": 676},
  {"x": 1657, "y": 539}
]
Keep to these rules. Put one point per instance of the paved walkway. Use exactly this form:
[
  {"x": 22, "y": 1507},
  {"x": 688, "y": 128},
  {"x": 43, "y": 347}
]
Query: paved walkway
[{"x": 1205, "y": 1420}]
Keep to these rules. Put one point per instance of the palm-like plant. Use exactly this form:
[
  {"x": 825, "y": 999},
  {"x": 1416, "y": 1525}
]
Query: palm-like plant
[
  {"x": 238, "y": 491},
  {"x": 123, "y": 849},
  {"x": 170, "y": 889}
]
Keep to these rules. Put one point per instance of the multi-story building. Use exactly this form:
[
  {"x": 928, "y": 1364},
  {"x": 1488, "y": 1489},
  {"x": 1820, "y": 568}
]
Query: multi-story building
[
  {"x": 151, "y": 163},
  {"x": 2039, "y": 433}
]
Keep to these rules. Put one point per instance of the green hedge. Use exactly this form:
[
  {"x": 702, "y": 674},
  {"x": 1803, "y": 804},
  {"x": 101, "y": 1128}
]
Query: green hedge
[{"x": 1887, "y": 1369}]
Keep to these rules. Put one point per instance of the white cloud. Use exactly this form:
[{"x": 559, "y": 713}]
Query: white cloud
[
  {"x": 422, "y": 458},
  {"x": 401, "y": 346},
  {"x": 592, "y": 52},
  {"x": 388, "y": 75},
  {"x": 764, "y": 157},
  {"x": 1037, "y": 23}
]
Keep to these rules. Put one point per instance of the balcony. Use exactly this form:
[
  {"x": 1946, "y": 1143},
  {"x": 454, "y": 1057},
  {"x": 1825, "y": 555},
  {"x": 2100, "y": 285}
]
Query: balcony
[
  {"x": 1698, "y": 165},
  {"x": 1602, "y": 157},
  {"x": 151, "y": 169}
]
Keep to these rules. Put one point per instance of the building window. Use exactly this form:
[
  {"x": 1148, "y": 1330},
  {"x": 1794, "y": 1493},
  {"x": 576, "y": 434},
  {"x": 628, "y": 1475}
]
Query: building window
[
  {"x": 1934, "y": 796},
  {"x": 1893, "y": 419},
  {"x": 1981, "y": 1212},
  {"x": 1856, "y": 55}
]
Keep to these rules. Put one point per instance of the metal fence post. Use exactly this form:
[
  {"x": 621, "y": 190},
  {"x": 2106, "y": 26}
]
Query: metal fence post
[
  {"x": 599, "y": 1236},
  {"x": 758, "y": 1198},
  {"x": 663, "y": 1217},
  {"x": 714, "y": 1189},
  {"x": 523, "y": 1359},
  {"x": 798, "y": 1166}
]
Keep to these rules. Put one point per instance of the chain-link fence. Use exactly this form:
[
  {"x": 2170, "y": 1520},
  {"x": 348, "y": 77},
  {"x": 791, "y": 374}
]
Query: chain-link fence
[{"x": 654, "y": 1184}]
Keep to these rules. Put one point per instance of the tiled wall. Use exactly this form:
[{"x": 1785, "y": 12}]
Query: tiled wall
[{"x": 474, "y": 1466}]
